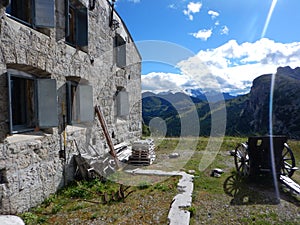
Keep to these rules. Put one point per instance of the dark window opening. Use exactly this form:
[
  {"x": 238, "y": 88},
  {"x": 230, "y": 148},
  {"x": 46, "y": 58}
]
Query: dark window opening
[
  {"x": 120, "y": 51},
  {"x": 22, "y": 103},
  {"x": 21, "y": 10},
  {"x": 32, "y": 102},
  {"x": 3, "y": 178},
  {"x": 79, "y": 103},
  {"x": 36, "y": 13},
  {"x": 72, "y": 102},
  {"x": 76, "y": 24}
]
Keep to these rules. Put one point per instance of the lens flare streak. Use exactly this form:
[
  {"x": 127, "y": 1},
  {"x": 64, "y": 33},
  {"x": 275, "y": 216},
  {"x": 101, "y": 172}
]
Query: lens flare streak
[
  {"x": 271, "y": 10},
  {"x": 271, "y": 139}
]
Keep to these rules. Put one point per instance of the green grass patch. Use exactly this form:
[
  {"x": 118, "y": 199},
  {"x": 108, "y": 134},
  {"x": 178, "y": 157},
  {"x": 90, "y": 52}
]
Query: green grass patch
[{"x": 149, "y": 201}]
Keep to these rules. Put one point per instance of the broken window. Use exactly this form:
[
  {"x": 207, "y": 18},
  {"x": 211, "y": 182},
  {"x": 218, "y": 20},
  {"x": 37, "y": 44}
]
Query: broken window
[
  {"x": 120, "y": 51},
  {"x": 76, "y": 24},
  {"x": 79, "y": 103},
  {"x": 36, "y": 13},
  {"x": 32, "y": 102}
]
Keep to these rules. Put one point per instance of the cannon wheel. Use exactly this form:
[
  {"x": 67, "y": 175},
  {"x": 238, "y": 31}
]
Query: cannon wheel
[
  {"x": 233, "y": 185},
  {"x": 241, "y": 159},
  {"x": 288, "y": 161}
]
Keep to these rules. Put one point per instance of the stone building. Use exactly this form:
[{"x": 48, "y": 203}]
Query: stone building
[{"x": 59, "y": 59}]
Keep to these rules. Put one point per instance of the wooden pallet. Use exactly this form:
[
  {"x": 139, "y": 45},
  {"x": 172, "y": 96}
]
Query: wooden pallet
[
  {"x": 142, "y": 152},
  {"x": 146, "y": 162}
]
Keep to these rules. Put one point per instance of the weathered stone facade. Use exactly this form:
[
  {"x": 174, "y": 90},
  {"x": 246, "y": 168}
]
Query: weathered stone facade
[{"x": 30, "y": 164}]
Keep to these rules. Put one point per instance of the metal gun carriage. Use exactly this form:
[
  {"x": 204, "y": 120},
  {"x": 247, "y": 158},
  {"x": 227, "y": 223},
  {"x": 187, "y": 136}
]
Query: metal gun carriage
[{"x": 267, "y": 155}]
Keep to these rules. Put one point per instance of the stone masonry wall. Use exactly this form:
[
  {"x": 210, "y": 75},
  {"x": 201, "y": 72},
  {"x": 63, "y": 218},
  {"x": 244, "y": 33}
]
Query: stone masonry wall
[{"x": 30, "y": 166}]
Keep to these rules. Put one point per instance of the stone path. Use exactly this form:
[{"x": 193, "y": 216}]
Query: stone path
[{"x": 178, "y": 214}]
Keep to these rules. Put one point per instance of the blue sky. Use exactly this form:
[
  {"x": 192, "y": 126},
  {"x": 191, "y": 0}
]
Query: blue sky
[{"x": 230, "y": 42}]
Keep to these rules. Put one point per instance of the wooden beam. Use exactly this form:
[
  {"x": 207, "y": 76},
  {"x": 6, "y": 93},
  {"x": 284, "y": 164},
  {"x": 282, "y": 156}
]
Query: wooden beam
[{"x": 106, "y": 134}]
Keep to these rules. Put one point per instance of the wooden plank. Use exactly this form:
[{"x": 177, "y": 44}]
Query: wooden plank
[
  {"x": 107, "y": 137},
  {"x": 290, "y": 183}
]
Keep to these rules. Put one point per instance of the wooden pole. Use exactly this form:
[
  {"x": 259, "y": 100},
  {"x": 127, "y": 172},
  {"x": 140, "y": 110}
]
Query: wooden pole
[{"x": 106, "y": 134}]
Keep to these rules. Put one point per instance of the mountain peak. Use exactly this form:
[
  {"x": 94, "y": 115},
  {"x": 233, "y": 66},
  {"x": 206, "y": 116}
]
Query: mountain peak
[{"x": 288, "y": 71}]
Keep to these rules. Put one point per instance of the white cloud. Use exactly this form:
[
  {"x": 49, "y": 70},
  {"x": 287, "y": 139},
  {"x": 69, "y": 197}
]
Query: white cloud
[
  {"x": 229, "y": 68},
  {"x": 202, "y": 34},
  {"x": 192, "y": 8},
  {"x": 224, "y": 30},
  {"x": 213, "y": 14},
  {"x": 160, "y": 82}
]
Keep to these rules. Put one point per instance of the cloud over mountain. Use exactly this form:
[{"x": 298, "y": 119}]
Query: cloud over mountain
[{"x": 227, "y": 68}]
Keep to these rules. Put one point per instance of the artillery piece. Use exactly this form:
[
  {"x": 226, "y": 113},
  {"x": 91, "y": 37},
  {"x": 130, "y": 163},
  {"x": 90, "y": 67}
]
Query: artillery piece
[{"x": 254, "y": 158}]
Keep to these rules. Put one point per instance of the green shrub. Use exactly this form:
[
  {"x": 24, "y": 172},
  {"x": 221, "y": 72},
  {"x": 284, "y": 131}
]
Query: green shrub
[
  {"x": 29, "y": 218},
  {"x": 143, "y": 185}
]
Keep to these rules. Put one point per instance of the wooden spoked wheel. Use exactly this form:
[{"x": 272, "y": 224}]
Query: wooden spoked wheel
[
  {"x": 232, "y": 185},
  {"x": 288, "y": 163},
  {"x": 241, "y": 159}
]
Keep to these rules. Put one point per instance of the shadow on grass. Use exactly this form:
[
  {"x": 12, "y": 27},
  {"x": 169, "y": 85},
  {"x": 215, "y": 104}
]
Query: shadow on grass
[{"x": 253, "y": 192}]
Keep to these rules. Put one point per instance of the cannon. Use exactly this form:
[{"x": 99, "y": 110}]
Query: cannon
[{"x": 266, "y": 155}]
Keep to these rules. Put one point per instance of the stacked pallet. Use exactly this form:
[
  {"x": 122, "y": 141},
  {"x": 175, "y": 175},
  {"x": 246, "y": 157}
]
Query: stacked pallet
[{"x": 142, "y": 152}]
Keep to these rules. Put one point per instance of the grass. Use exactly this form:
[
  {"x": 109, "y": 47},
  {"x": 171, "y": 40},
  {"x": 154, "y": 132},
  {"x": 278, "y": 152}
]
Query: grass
[
  {"x": 253, "y": 203},
  {"x": 96, "y": 202},
  {"x": 149, "y": 201}
]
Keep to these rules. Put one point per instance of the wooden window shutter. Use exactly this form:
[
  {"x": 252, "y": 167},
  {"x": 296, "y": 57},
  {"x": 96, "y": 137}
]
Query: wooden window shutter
[
  {"x": 47, "y": 103},
  {"x": 44, "y": 13},
  {"x": 123, "y": 103},
  {"x": 86, "y": 108}
]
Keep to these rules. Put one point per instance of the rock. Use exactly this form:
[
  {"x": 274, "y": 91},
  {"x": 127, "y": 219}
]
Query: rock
[
  {"x": 219, "y": 171},
  {"x": 11, "y": 220},
  {"x": 174, "y": 155},
  {"x": 191, "y": 171},
  {"x": 216, "y": 172}
]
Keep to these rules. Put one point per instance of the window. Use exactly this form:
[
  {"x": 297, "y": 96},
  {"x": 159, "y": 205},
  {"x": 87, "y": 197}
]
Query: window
[
  {"x": 3, "y": 177},
  {"x": 76, "y": 24},
  {"x": 79, "y": 103},
  {"x": 122, "y": 103},
  {"x": 32, "y": 102},
  {"x": 36, "y": 13},
  {"x": 120, "y": 51}
]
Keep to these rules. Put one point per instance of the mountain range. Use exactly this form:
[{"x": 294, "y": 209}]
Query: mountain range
[{"x": 246, "y": 115}]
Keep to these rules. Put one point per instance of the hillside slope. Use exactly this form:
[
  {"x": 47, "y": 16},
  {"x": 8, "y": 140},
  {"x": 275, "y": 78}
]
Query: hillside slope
[{"x": 246, "y": 115}]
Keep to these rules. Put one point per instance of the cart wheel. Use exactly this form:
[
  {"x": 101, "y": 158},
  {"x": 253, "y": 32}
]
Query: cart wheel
[
  {"x": 232, "y": 185},
  {"x": 288, "y": 161},
  {"x": 241, "y": 159}
]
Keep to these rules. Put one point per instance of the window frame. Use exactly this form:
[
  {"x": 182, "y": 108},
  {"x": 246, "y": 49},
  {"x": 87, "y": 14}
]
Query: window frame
[
  {"x": 122, "y": 104},
  {"x": 12, "y": 12},
  {"x": 83, "y": 110},
  {"x": 41, "y": 117},
  {"x": 76, "y": 25},
  {"x": 19, "y": 128},
  {"x": 39, "y": 13},
  {"x": 120, "y": 51}
]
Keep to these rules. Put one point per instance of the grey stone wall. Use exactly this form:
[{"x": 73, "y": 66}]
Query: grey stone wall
[{"x": 30, "y": 167}]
